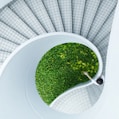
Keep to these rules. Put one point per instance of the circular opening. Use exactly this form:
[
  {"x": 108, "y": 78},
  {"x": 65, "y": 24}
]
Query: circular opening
[
  {"x": 50, "y": 98},
  {"x": 63, "y": 67}
]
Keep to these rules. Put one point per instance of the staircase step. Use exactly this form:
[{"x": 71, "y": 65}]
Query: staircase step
[
  {"x": 94, "y": 93},
  {"x": 75, "y": 101},
  {"x": 24, "y": 12},
  {"x": 11, "y": 19},
  {"x": 7, "y": 45},
  {"x": 3, "y": 55},
  {"x": 104, "y": 11},
  {"x": 54, "y": 14},
  {"x": 105, "y": 29},
  {"x": 78, "y": 11},
  {"x": 103, "y": 46},
  {"x": 66, "y": 14},
  {"x": 40, "y": 12},
  {"x": 90, "y": 12},
  {"x": 10, "y": 34}
]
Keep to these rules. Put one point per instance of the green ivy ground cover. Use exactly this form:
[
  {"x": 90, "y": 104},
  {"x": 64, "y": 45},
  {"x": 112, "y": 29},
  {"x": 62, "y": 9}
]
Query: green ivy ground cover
[{"x": 61, "y": 68}]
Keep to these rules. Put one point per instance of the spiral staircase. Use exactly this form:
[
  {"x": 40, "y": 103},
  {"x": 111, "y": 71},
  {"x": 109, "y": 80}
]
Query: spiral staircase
[{"x": 22, "y": 20}]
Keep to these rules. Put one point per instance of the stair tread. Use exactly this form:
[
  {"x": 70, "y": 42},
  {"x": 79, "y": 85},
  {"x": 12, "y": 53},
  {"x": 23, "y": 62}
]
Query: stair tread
[
  {"x": 24, "y": 12},
  {"x": 105, "y": 29},
  {"x": 102, "y": 15},
  {"x": 78, "y": 11},
  {"x": 90, "y": 12},
  {"x": 3, "y": 55},
  {"x": 39, "y": 10},
  {"x": 94, "y": 92},
  {"x": 54, "y": 14},
  {"x": 10, "y": 18},
  {"x": 65, "y": 7},
  {"x": 73, "y": 102},
  {"x": 9, "y": 33},
  {"x": 7, "y": 45}
]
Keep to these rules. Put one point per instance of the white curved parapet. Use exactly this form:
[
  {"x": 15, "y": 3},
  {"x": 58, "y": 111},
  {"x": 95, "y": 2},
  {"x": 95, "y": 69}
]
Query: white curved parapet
[
  {"x": 4, "y": 2},
  {"x": 111, "y": 106}
]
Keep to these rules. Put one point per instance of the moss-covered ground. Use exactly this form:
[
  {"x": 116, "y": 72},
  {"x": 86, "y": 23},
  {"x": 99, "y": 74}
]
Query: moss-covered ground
[{"x": 61, "y": 68}]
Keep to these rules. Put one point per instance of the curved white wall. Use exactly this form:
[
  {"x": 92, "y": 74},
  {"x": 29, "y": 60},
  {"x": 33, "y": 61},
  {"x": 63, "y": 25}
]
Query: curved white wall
[{"x": 4, "y": 2}]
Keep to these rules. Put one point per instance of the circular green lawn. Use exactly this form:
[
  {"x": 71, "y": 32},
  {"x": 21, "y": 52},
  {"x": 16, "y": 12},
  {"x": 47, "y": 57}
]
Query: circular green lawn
[{"x": 61, "y": 68}]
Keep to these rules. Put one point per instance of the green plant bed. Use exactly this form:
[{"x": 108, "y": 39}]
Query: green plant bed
[{"x": 61, "y": 68}]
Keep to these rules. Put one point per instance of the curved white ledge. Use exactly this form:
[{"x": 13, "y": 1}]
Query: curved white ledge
[{"x": 4, "y": 2}]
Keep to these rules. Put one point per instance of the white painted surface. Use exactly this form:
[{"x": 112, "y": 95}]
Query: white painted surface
[
  {"x": 108, "y": 105},
  {"x": 4, "y": 2}
]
